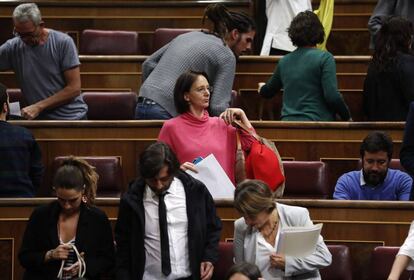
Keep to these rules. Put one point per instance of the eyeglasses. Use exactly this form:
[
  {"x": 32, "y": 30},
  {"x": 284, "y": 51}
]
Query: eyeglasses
[
  {"x": 201, "y": 90},
  {"x": 26, "y": 34}
]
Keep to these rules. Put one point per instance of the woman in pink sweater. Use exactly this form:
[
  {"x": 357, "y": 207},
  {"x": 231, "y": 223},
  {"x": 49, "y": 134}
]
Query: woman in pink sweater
[{"x": 195, "y": 134}]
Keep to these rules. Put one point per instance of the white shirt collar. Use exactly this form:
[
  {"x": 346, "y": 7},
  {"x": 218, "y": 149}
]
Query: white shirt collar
[
  {"x": 150, "y": 194},
  {"x": 361, "y": 178}
]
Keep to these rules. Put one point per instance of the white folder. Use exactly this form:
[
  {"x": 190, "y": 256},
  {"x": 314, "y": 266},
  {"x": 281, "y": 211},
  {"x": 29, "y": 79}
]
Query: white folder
[{"x": 213, "y": 176}]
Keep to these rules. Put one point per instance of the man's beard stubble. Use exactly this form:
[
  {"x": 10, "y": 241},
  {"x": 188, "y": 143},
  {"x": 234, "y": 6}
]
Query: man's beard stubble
[{"x": 374, "y": 178}]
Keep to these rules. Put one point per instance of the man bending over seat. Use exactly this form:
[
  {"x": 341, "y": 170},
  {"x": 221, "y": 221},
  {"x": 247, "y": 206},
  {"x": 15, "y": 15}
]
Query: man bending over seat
[
  {"x": 375, "y": 181},
  {"x": 46, "y": 65},
  {"x": 213, "y": 53}
]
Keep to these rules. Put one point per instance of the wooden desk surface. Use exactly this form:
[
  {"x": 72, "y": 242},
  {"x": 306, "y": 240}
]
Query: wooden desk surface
[
  {"x": 361, "y": 225},
  {"x": 336, "y": 143}
]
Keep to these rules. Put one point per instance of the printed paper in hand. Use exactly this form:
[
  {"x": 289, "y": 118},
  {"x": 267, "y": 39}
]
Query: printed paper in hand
[
  {"x": 299, "y": 241},
  {"x": 213, "y": 176},
  {"x": 15, "y": 109}
]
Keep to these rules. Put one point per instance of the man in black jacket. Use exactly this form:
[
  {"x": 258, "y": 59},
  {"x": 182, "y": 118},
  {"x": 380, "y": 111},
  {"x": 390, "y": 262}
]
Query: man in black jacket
[
  {"x": 407, "y": 148},
  {"x": 167, "y": 225},
  {"x": 21, "y": 165}
]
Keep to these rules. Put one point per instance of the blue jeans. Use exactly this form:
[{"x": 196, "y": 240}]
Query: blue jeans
[{"x": 149, "y": 110}]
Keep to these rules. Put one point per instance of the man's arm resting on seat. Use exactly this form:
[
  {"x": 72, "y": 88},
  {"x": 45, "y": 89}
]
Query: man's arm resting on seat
[{"x": 69, "y": 92}]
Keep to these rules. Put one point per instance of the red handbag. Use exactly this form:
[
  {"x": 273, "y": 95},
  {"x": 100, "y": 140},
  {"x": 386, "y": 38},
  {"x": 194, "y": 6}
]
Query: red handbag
[{"x": 263, "y": 162}]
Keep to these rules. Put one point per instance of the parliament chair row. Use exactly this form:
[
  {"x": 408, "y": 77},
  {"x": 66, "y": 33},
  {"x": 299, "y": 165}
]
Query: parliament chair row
[
  {"x": 127, "y": 42},
  {"x": 337, "y": 144},
  {"x": 360, "y": 225},
  {"x": 382, "y": 258},
  {"x": 124, "y": 72},
  {"x": 340, "y": 268},
  {"x": 116, "y": 42},
  {"x": 303, "y": 179},
  {"x": 316, "y": 185},
  {"x": 258, "y": 108},
  {"x": 349, "y": 33},
  {"x": 120, "y": 105},
  {"x": 350, "y": 19},
  {"x": 312, "y": 179},
  {"x": 101, "y": 105},
  {"x": 109, "y": 169}
]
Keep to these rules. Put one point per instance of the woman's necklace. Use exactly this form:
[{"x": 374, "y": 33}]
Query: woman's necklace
[{"x": 276, "y": 222}]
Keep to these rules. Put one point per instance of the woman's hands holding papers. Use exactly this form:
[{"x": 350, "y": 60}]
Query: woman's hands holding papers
[
  {"x": 278, "y": 261},
  {"x": 188, "y": 166}
]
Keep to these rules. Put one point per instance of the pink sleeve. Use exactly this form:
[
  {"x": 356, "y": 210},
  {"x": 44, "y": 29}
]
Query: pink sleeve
[{"x": 246, "y": 139}]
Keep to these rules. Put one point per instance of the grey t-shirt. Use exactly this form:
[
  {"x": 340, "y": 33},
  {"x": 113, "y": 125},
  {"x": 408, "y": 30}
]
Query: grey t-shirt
[{"x": 39, "y": 71}]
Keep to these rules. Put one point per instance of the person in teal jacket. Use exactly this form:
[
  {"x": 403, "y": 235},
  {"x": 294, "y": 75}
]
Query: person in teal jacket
[{"x": 308, "y": 76}]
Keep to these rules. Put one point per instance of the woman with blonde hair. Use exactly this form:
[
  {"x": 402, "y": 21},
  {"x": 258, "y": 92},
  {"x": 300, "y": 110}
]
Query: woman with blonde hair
[
  {"x": 69, "y": 235},
  {"x": 256, "y": 234}
]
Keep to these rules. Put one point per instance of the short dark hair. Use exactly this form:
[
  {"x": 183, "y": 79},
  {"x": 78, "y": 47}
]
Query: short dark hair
[
  {"x": 377, "y": 141},
  {"x": 155, "y": 157},
  {"x": 183, "y": 85},
  {"x": 249, "y": 270},
  {"x": 306, "y": 30},
  {"x": 3, "y": 96}
]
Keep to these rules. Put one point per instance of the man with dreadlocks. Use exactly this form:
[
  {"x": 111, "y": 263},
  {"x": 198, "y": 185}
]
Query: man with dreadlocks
[{"x": 213, "y": 52}]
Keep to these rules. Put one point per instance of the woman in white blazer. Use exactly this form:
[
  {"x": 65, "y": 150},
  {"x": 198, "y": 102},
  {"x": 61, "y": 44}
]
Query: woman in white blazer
[
  {"x": 256, "y": 234},
  {"x": 405, "y": 257}
]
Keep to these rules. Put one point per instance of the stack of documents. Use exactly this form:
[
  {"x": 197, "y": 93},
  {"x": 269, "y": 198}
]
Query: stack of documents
[{"x": 298, "y": 241}]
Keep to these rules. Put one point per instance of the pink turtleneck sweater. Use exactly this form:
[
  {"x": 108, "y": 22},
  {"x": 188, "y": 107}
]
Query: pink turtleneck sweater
[{"x": 190, "y": 137}]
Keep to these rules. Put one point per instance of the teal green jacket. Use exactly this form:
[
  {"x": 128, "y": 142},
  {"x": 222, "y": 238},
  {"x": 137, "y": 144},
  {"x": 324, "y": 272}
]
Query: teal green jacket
[{"x": 308, "y": 77}]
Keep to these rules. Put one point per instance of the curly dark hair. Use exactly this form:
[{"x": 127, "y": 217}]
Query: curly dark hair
[
  {"x": 306, "y": 30},
  {"x": 394, "y": 36},
  {"x": 225, "y": 21}
]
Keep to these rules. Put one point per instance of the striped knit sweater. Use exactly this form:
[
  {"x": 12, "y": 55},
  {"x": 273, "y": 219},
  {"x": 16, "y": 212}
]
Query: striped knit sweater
[{"x": 195, "y": 51}]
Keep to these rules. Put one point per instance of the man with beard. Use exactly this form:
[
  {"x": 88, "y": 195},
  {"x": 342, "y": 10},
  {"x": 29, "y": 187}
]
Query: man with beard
[
  {"x": 167, "y": 226},
  {"x": 213, "y": 53},
  {"x": 21, "y": 165},
  {"x": 375, "y": 181},
  {"x": 46, "y": 65}
]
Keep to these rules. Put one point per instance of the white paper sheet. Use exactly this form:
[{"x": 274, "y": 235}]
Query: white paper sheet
[
  {"x": 15, "y": 109},
  {"x": 299, "y": 241},
  {"x": 213, "y": 176}
]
